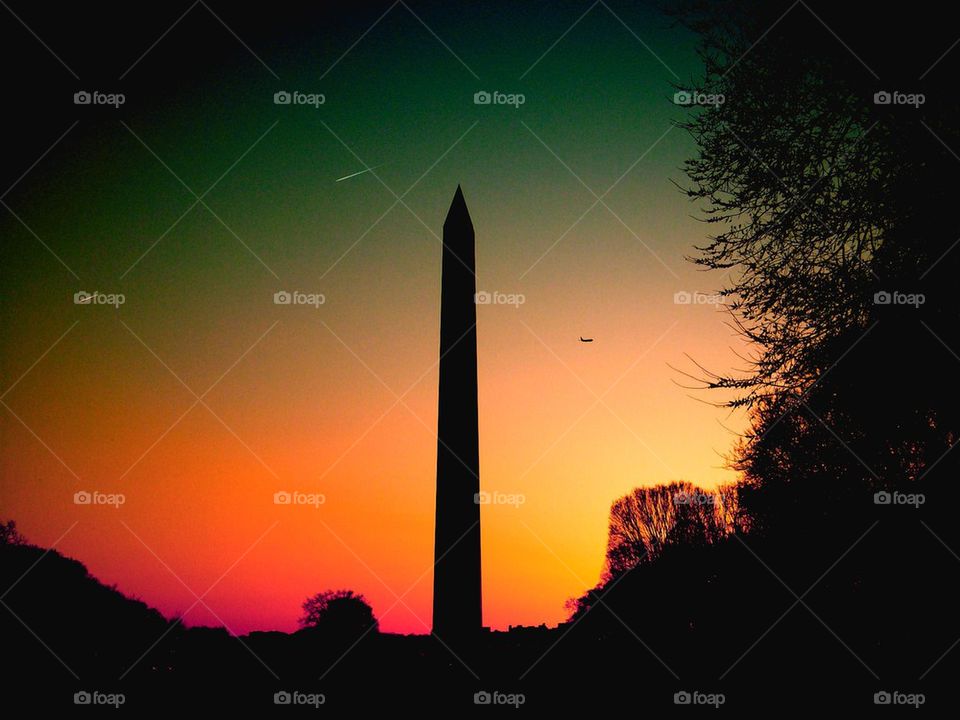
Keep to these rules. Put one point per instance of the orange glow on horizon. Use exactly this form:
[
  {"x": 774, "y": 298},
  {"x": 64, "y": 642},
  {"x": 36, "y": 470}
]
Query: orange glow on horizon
[{"x": 199, "y": 512}]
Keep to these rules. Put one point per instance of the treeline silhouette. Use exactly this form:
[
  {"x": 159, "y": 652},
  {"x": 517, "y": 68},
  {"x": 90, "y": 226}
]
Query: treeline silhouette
[{"x": 831, "y": 206}]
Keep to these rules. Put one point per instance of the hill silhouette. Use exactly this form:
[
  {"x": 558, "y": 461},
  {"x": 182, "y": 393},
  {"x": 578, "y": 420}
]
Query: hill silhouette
[{"x": 697, "y": 618}]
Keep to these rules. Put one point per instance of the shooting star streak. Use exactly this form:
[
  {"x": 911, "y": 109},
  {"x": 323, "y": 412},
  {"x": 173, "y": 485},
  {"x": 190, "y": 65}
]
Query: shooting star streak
[{"x": 365, "y": 170}]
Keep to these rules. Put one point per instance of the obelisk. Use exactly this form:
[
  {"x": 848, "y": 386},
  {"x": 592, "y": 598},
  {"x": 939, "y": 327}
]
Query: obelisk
[{"x": 457, "y": 615}]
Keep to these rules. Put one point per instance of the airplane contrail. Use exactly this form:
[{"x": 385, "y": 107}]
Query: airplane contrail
[{"x": 347, "y": 177}]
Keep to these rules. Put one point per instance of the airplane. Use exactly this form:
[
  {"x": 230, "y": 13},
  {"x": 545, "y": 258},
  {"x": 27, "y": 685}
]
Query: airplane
[{"x": 583, "y": 339}]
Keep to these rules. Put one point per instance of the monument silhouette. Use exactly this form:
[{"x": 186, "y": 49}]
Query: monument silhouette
[{"x": 457, "y": 615}]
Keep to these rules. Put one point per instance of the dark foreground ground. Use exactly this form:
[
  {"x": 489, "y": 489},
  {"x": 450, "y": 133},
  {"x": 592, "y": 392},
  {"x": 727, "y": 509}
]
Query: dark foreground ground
[{"x": 713, "y": 622}]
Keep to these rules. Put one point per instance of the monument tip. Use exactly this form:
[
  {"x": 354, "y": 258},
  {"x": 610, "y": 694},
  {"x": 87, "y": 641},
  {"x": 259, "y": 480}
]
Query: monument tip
[{"x": 458, "y": 209}]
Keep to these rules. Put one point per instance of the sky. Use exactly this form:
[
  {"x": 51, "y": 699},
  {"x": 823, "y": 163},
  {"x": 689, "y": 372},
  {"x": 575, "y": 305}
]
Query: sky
[{"x": 198, "y": 398}]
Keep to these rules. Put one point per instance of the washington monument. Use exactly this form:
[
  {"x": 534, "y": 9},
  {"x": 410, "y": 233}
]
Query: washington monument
[{"x": 457, "y": 616}]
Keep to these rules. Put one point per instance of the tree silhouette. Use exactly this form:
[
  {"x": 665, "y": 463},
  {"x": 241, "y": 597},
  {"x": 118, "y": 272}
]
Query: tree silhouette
[
  {"x": 9, "y": 534},
  {"x": 647, "y": 520},
  {"x": 819, "y": 197},
  {"x": 824, "y": 203},
  {"x": 342, "y": 611}
]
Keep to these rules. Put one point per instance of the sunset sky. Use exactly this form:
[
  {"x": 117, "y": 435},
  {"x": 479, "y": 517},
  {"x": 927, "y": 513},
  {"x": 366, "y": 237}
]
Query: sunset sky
[{"x": 340, "y": 399}]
